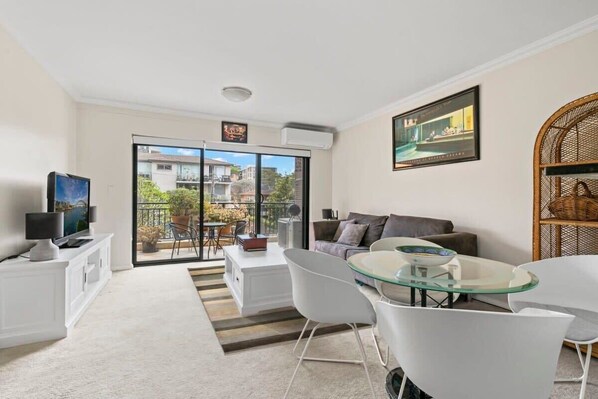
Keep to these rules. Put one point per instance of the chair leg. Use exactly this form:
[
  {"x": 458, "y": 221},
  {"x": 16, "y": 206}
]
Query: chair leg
[
  {"x": 583, "y": 368},
  {"x": 318, "y": 359},
  {"x": 301, "y": 359},
  {"x": 194, "y": 247},
  {"x": 384, "y": 362},
  {"x": 586, "y": 370},
  {"x": 173, "y": 246},
  {"x": 403, "y": 383},
  {"x": 364, "y": 357}
]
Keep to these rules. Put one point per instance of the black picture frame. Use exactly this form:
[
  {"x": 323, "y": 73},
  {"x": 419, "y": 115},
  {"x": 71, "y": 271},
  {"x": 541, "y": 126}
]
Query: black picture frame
[
  {"x": 442, "y": 132},
  {"x": 234, "y": 132}
]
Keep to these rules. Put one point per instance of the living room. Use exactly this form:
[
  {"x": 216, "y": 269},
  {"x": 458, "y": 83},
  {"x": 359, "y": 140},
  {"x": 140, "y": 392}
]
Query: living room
[{"x": 87, "y": 88}]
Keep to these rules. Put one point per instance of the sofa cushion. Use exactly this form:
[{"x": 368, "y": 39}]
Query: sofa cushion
[
  {"x": 413, "y": 226},
  {"x": 374, "y": 231},
  {"x": 355, "y": 251},
  {"x": 332, "y": 248},
  {"x": 341, "y": 227},
  {"x": 352, "y": 234}
]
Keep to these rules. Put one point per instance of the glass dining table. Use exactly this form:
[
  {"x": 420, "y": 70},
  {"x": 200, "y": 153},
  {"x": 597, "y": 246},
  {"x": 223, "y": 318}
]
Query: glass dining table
[{"x": 463, "y": 275}]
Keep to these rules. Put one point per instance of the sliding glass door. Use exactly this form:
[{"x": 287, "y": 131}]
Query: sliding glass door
[{"x": 191, "y": 202}]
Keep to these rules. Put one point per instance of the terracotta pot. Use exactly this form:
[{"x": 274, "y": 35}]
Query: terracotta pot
[
  {"x": 182, "y": 220},
  {"x": 148, "y": 247}
]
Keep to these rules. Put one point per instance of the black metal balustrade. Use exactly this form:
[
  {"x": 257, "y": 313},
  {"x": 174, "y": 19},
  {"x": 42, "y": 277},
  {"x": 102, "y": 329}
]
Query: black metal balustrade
[{"x": 158, "y": 214}]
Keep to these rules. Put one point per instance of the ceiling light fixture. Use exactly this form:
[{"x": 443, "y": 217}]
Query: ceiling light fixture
[{"x": 236, "y": 94}]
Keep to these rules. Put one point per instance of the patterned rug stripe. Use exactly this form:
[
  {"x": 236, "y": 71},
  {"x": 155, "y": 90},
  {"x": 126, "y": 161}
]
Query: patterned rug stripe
[{"x": 235, "y": 332}]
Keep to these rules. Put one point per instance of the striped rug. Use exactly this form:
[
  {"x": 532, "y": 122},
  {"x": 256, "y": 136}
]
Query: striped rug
[{"x": 235, "y": 332}]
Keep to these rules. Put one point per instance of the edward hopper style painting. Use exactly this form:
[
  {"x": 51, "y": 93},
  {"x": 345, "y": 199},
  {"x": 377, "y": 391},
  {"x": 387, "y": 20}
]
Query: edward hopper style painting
[
  {"x": 444, "y": 131},
  {"x": 233, "y": 132}
]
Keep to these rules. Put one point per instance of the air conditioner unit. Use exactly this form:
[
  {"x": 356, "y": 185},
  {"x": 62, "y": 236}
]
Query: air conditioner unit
[{"x": 306, "y": 138}]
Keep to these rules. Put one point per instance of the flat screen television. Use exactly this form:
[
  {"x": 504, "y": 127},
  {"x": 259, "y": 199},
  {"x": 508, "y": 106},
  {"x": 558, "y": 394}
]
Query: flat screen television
[{"x": 70, "y": 194}]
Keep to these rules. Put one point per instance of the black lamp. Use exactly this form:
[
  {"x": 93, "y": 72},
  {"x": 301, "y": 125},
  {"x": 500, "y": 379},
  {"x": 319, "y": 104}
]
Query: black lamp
[
  {"x": 44, "y": 226},
  {"x": 93, "y": 217}
]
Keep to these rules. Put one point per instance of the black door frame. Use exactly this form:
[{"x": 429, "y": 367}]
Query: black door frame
[{"x": 258, "y": 206}]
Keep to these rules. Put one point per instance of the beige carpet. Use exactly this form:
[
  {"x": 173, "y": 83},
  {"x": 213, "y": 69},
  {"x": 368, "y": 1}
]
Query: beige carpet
[
  {"x": 148, "y": 336},
  {"x": 235, "y": 332}
]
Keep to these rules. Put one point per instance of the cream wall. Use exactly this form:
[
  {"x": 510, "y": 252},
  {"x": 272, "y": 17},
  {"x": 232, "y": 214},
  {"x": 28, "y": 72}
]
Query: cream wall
[
  {"x": 37, "y": 130},
  {"x": 491, "y": 197},
  {"x": 104, "y": 154}
]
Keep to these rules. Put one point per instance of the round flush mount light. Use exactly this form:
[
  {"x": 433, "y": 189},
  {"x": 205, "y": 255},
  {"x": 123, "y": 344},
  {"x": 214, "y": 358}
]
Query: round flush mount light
[{"x": 236, "y": 94}]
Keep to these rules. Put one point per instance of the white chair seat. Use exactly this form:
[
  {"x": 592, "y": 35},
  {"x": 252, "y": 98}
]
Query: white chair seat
[{"x": 584, "y": 327}]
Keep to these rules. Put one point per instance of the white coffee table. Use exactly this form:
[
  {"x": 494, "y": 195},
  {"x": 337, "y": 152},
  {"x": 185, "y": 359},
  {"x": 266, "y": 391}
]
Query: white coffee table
[{"x": 258, "y": 281}]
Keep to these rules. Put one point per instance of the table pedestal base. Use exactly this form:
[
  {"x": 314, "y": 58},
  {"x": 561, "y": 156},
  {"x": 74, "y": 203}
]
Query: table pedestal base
[{"x": 393, "y": 385}]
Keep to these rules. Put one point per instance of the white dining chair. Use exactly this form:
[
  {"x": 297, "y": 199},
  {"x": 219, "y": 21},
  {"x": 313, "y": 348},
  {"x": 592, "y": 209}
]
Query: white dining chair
[
  {"x": 567, "y": 285},
  {"x": 398, "y": 294},
  {"x": 324, "y": 291},
  {"x": 456, "y": 354}
]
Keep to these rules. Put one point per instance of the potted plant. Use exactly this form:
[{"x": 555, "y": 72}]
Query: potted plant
[
  {"x": 182, "y": 203},
  {"x": 149, "y": 236}
]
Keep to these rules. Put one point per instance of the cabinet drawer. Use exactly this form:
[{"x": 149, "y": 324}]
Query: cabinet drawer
[
  {"x": 75, "y": 282},
  {"x": 237, "y": 279}
]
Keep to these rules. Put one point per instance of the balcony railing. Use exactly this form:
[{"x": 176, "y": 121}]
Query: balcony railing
[{"x": 158, "y": 214}]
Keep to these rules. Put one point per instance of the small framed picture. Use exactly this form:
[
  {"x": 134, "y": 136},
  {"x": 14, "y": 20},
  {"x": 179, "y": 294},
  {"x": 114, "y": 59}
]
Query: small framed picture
[{"x": 233, "y": 132}]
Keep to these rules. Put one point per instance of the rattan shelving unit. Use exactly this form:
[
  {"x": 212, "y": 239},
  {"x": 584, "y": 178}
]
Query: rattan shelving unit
[{"x": 568, "y": 137}]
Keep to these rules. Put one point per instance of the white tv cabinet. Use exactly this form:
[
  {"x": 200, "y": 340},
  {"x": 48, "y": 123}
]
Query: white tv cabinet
[{"x": 40, "y": 301}]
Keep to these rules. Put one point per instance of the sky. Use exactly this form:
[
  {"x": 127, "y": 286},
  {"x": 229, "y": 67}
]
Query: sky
[
  {"x": 284, "y": 165},
  {"x": 71, "y": 190}
]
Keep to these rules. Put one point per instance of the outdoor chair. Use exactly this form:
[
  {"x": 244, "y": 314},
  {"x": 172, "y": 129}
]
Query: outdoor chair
[{"x": 181, "y": 232}]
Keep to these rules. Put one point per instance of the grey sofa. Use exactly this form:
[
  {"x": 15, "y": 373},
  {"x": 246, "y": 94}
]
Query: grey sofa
[{"x": 434, "y": 230}]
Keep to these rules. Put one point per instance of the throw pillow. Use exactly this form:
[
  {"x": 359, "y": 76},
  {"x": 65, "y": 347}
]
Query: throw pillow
[
  {"x": 352, "y": 234},
  {"x": 341, "y": 227}
]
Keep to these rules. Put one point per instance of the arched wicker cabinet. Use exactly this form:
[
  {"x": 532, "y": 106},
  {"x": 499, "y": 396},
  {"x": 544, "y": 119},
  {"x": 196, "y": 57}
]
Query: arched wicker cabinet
[{"x": 568, "y": 137}]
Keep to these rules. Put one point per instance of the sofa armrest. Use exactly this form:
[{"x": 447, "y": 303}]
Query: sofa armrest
[
  {"x": 462, "y": 243},
  {"x": 324, "y": 229}
]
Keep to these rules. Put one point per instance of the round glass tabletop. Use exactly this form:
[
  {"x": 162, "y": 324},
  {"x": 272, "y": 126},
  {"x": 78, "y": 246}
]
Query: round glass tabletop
[{"x": 464, "y": 274}]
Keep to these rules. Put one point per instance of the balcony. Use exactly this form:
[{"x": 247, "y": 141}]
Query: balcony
[{"x": 157, "y": 214}]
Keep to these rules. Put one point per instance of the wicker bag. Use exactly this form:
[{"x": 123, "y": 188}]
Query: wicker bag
[{"x": 575, "y": 206}]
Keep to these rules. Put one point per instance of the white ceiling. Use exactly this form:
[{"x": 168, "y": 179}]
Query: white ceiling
[{"x": 319, "y": 62}]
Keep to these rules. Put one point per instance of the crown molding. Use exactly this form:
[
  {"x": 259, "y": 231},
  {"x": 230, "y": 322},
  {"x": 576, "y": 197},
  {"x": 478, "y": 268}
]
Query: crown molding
[
  {"x": 565, "y": 35},
  {"x": 175, "y": 112}
]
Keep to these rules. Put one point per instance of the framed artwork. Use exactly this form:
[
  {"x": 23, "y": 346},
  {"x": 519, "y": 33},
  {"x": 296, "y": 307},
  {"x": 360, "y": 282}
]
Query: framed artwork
[
  {"x": 445, "y": 131},
  {"x": 233, "y": 132}
]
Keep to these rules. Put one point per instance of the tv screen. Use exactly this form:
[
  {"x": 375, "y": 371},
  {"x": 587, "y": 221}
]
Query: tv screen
[{"x": 70, "y": 194}]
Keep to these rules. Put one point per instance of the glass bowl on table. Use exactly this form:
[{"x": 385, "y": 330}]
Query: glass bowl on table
[{"x": 423, "y": 256}]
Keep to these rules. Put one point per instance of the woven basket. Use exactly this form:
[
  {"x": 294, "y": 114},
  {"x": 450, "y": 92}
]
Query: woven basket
[{"x": 575, "y": 206}]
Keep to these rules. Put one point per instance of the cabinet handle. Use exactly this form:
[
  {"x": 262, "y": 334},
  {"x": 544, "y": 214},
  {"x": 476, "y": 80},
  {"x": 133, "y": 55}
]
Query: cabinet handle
[{"x": 100, "y": 263}]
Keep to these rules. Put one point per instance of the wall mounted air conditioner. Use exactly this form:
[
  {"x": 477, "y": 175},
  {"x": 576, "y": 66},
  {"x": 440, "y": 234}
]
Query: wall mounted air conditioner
[{"x": 306, "y": 138}]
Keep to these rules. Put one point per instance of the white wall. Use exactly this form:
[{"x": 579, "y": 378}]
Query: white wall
[
  {"x": 37, "y": 132},
  {"x": 491, "y": 197},
  {"x": 104, "y": 154}
]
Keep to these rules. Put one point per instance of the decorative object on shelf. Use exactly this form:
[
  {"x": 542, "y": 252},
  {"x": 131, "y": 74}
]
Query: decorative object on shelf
[
  {"x": 444, "y": 131},
  {"x": 233, "y": 132},
  {"x": 425, "y": 256},
  {"x": 329, "y": 214},
  {"x": 253, "y": 242},
  {"x": 44, "y": 226},
  {"x": 93, "y": 217},
  {"x": 576, "y": 206},
  {"x": 149, "y": 237}
]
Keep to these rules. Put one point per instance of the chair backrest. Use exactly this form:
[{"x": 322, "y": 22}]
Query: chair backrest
[
  {"x": 181, "y": 231},
  {"x": 390, "y": 243},
  {"x": 240, "y": 227},
  {"x": 569, "y": 281},
  {"x": 454, "y": 354},
  {"x": 324, "y": 289}
]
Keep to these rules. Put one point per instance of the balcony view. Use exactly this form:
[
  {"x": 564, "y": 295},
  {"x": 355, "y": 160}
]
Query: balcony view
[{"x": 170, "y": 223}]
